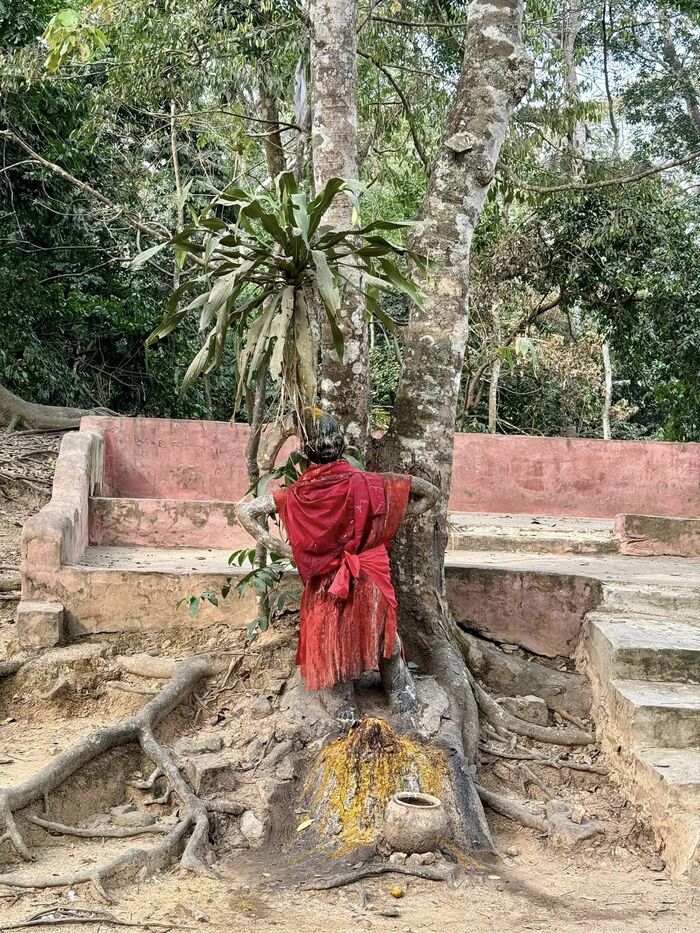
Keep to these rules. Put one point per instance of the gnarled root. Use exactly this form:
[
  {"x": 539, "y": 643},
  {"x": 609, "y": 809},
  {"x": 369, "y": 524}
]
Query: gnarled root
[
  {"x": 508, "y": 675},
  {"x": 138, "y": 728},
  {"x": 15, "y": 411},
  {"x": 512, "y": 810},
  {"x": 500, "y": 718},
  {"x": 371, "y": 871}
]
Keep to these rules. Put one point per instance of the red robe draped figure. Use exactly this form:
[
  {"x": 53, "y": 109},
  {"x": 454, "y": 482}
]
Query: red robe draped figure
[{"x": 340, "y": 521}]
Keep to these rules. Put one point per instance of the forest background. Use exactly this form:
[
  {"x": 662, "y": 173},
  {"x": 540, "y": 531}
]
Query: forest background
[{"x": 118, "y": 119}]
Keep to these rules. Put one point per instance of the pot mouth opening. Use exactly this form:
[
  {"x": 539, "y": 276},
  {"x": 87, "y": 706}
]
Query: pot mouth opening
[{"x": 418, "y": 800}]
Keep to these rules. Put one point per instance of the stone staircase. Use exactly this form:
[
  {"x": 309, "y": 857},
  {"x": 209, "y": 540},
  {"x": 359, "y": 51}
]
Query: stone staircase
[{"x": 641, "y": 650}]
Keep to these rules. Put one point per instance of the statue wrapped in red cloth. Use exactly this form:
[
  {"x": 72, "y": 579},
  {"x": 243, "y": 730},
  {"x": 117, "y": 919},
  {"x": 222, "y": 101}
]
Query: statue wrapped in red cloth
[{"x": 340, "y": 520}]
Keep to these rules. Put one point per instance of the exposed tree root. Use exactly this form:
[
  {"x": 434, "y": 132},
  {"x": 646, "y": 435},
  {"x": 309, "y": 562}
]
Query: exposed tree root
[
  {"x": 502, "y": 719},
  {"x": 137, "y": 728},
  {"x": 58, "y": 916},
  {"x": 100, "y": 832},
  {"x": 509, "y": 675},
  {"x": 153, "y": 858},
  {"x": 558, "y": 763},
  {"x": 9, "y": 583},
  {"x": 512, "y": 810},
  {"x": 7, "y": 668},
  {"x": 371, "y": 871},
  {"x": 14, "y": 411}
]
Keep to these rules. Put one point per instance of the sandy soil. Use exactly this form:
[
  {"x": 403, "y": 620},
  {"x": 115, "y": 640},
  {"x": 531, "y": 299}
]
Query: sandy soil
[{"x": 615, "y": 883}]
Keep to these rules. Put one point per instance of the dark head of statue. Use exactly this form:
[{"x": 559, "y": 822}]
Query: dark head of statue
[{"x": 324, "y": 439}]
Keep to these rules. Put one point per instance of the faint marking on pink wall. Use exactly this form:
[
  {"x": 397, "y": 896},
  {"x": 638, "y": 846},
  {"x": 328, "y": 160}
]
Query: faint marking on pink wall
[{"x": 199, "y": 460}]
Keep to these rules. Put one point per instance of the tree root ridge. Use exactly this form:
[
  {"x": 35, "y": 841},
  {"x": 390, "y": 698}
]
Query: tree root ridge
[
  {"x": 194, "y": 812},
  {"x": 372, "y": 871},
  {"x": 512, "y": 810},
  {"x": 501, "y": 718}
]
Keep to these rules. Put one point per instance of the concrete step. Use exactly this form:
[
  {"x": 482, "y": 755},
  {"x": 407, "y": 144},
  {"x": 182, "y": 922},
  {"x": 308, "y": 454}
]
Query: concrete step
[
  {"x": 668, "y": 602},
  {"x": 651, "y": 714},
  {"x": 675, "y": 775},
  {"x": 666, "y": 784},
  {"x": 538, "y": 534},
  {"x": 637, "y": 648}
]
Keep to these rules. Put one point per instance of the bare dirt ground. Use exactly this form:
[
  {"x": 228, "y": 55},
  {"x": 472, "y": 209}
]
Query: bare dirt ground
[{"x": 614, "y": 882}]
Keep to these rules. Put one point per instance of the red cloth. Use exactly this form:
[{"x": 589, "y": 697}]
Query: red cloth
[{"x": 339, "y": 521}]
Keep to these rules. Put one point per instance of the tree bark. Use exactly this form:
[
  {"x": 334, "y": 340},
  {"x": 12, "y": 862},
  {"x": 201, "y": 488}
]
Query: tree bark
[
  {"x": 14, "y": 412},
  {"x": 675, "y": 65},
  {"x": 573, "y": 19},
  {"x": 274, "y": 150},
  {"x": 496, "y": 72},
  {"x": 345, "y": 386},
  {"x": 607, "y": 400}
]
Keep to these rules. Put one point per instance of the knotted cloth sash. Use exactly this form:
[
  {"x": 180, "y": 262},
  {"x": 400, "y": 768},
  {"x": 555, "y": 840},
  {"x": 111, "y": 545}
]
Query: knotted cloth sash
[{"x": 374, "y": 562}]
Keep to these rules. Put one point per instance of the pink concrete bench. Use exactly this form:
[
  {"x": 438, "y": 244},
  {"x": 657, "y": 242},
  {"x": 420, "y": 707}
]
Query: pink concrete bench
[{"x": 141, "y": 516}]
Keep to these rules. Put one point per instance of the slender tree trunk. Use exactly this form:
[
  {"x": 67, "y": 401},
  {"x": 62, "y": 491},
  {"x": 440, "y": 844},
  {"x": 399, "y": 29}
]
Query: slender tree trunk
[
  {"x": 274, "y": 150},
  {"x": 493, "y": 396},
  {"x": 607, "y": 401},
  {"x": 345, "y": 387},
  {"x": 673, "y": 60},
  {"x": 607, "y": 18},
  {"x": 573, "y": 19},
  {"x": 496, "y": 73}
]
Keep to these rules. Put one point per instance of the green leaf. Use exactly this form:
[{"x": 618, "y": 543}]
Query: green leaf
[
  {"x": 255, "y": 211},
  {"x": 326, "y": 281},
  {"x": 301, "y": 217},
  {"x": 400, "y": 281},
  {"x": 279, "y": 331},
  {"x": 323, "y": 200},
  {"x": 374, "y": 307},
  {"x": 147, "y": 254},
  {"x": 194, "y": 603}
]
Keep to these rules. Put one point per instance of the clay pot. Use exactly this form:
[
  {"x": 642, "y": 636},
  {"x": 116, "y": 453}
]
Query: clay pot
[{"x": 414, "y": 822}]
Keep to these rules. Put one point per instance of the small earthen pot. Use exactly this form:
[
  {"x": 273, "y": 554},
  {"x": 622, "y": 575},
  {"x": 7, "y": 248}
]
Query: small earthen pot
[{"x": 414, "y": 822}]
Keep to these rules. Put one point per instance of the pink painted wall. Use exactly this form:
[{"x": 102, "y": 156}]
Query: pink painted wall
[
  {"x": 159, "y": 458},
  {"x": 576, "y": 477},
  {"x": 166, "y": 523},
  {"x": 205, "y": 460}
]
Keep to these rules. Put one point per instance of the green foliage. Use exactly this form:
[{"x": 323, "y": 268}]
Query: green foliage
[
  {"x": 266, "y": 581},
  {"x": 266, "y": 258},
  {"x": 108, "y": 90}
]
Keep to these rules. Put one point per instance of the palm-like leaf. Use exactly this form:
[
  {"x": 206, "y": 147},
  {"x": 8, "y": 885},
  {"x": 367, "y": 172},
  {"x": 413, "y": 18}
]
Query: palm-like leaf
[{"x": 267, "y": 266}]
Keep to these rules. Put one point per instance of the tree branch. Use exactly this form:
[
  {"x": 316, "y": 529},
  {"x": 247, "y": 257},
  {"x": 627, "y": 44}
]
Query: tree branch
[
  {"x": 406, "y": 106},
  {"x": 603, "y": 183}
]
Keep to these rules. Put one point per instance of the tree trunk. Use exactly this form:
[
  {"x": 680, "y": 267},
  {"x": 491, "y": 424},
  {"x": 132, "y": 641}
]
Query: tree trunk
[
  {"x": 607, "y": 401},
  {"x": 573, "y": 19},
  {"x": 15, "y": 412},
  {"x": 496, "y": 73},
  {"x": 675, "y": 65},
  {"x": 345, "y": 386},
  {"x": 493, "y": 396},
  {"x": 274, "y": 150},
  {"x": 607, "y": 12}
]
